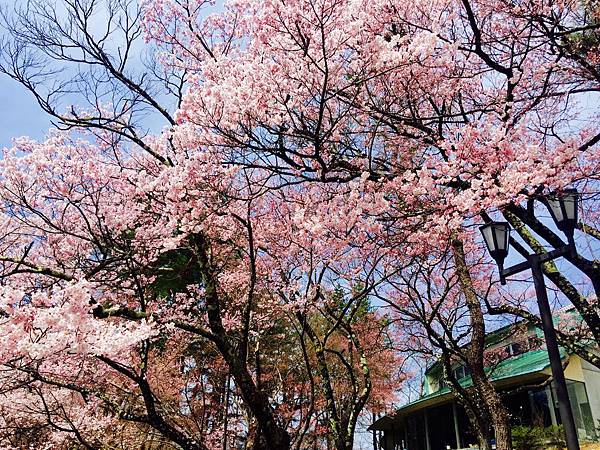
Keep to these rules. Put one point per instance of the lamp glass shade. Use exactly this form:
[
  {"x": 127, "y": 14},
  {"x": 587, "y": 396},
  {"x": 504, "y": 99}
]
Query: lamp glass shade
[
  {"x": 564, "y": 209},
  {"x": 496, "y": 236}
]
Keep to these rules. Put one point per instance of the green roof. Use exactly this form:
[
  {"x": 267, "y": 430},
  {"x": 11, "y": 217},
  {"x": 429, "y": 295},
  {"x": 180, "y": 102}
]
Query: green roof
[
  {"x": 491, "y": 338},
  {"x": 529, "y": 362},
  {"x": 526, "y": 363},
  {"x": 500, "y": 334}
]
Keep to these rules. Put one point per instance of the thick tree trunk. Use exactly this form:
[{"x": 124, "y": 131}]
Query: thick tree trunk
[
  {"x": 340, "y": 444},
  {"x": 345, "y": 440},
  {"x": 255, "y": 439},
  {"x": 479, "y": 422},
  {"x": 503, "y": 432},
  {"x": 275, "y": 436},
  {"x": 498, "y": 414},
  {"x": 481, "y": 383},
  {"x": 483, "y": 439}
]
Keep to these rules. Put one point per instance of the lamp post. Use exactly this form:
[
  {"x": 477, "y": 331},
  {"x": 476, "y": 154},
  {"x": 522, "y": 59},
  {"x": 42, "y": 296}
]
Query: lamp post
[{"x": 563, "y": 209}]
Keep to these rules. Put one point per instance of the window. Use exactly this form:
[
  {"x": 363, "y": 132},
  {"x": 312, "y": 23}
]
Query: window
[
  {"x": 582, "y": 412},
  {"x": 442, "y": 383},
  {"x": 458, "y": 372},
  {"x": 461, "y": 372},
  {"x": 514, "y": 349}
]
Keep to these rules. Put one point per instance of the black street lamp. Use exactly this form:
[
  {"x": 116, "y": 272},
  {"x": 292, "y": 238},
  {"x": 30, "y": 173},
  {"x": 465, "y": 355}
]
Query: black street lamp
[
  {"x": 564, "y": 211},
  {"x": 496, "y": 236},
  {"x": 563, "y": 208}
]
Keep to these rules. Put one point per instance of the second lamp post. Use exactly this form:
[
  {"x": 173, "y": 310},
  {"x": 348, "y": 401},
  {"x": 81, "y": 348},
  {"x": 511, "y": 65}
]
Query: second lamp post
[{"x": 496, "y": 235}]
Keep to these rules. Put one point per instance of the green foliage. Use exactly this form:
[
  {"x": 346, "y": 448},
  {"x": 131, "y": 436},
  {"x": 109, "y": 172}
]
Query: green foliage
[
  {"x": 555, "y": 435},
  {"x": 529, "y": 438},
  {"x": 175, "y": 270},
  {"x": 359, "y": 309},
  {"x": 364, "y": 308},
  {"x": 582, "y": 42},
  {"x": 586, "y": 40}
]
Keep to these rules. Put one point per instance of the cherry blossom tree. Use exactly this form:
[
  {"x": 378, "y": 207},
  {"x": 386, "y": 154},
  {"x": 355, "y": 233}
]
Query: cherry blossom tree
[
  {"x": 447, "y": 108},
  {"x": 439, "y": 302},
  {"x": 308, "y": 146},
  {"x": 107, "y": 254},
  {"x": 116, "y": 266}
]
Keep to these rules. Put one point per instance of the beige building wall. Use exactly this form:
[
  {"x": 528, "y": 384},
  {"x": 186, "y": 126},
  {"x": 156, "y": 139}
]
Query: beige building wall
[
  {"x": 574, "y": 370},
  {"x": 591, "y": 375}
]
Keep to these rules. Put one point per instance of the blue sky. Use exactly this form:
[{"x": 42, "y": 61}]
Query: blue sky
[{"x": 20, "y": 115}]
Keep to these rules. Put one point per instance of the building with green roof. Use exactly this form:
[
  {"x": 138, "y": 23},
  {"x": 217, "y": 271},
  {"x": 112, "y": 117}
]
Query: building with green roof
[{"x": 522, "y": 375}]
